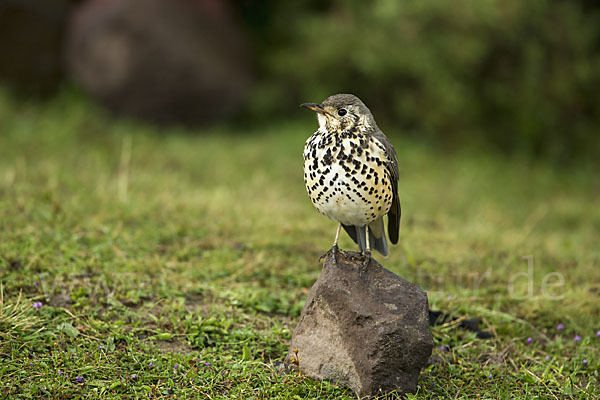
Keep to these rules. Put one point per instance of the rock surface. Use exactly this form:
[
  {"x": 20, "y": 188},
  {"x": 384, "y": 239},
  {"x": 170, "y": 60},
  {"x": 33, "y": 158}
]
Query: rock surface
[{"x": 363, "y": 327}]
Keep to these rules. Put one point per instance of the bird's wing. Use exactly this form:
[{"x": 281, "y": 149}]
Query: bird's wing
[{"x": 392, "y": 168}]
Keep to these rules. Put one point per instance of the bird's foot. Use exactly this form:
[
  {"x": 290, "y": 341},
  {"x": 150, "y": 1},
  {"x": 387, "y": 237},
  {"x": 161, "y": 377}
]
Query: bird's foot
[
  {"x": 334, "y": 250},
  {"x": 366, "y": 259}
]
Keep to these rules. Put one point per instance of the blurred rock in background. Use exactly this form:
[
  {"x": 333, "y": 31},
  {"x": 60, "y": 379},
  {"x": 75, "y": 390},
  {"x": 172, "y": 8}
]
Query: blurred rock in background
[
  {"x": 176, "y": 61},
  {"x": 31, "y": 44}
]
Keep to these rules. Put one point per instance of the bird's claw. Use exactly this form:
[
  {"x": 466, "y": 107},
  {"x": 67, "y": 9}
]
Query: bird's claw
[
  {"x": 366, "y": 259},
  {"x": 333, "y": 251}
]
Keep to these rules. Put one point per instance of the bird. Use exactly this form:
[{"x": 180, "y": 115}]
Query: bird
[{"x": 351, "y": 173}]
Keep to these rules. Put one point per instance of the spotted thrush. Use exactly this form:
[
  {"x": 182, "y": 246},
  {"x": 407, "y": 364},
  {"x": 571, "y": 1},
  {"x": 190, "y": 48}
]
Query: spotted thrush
[{"x": 351, "y": 173}]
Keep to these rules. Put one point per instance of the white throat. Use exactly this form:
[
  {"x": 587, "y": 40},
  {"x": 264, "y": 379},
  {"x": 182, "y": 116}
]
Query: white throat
[{"x": 322, "y": 122}]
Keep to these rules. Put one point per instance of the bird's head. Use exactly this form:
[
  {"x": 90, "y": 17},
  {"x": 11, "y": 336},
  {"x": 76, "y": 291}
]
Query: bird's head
[{"x": 342, "y": 112}]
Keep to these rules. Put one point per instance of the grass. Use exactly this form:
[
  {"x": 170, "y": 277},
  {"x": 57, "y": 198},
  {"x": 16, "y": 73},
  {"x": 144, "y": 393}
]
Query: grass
[{"x": 174, "y": 263}]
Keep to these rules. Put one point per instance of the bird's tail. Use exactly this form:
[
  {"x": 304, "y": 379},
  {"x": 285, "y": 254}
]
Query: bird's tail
[{"x": 377, "y": 239}]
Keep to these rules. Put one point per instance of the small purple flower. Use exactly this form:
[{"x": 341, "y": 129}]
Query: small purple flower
[
  {"x": 598, "y": 334},
  {"x": 207, "y": 364},
  {"x": 176, "y": 366},
  {"x": 577, "y": 338},
  {"x": 30, "y": 363},
  {"x": 490, "y": 376},
  {"x": 37, "y": 305},
  {"x": 59, "y": 373},
  {"x": 151, "y": 365},
  {"x": 529, "y": 340},
  {"x": 560, "y": 327},
  {"x": 585, "y": 361},
  {"x": 79, "y": 379},
  {"x": 134, "y": 377},
  {"x": 444, "y": 348},
  {"x": 35, "y": 283},
  {"x": 547, "y": 358}
]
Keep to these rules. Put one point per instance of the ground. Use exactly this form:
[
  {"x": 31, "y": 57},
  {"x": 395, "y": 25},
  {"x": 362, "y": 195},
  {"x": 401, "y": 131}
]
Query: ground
[{"x": 167, "y": 263}]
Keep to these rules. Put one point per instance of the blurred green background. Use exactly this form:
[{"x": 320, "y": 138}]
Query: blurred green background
[{"x": 521, "y": 77}]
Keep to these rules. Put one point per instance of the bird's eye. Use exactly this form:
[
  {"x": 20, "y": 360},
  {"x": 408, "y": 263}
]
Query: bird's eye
[{"x": 342, "y": 112}]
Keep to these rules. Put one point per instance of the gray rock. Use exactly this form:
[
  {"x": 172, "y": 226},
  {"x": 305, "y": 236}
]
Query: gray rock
[
  {"x": 176, "y": 61},
  {"x": 363, "y": 327}
]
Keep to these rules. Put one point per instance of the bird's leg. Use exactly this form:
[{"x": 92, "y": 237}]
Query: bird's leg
[
  {"x": 337, "y": 236},
  {"x": 334, "y": 249},
  {"x": 367, "y": 252}
]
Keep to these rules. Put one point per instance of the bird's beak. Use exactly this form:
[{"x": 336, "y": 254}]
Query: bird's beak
[{"x": 314, "y": 106}]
